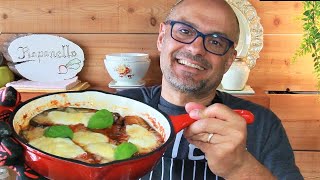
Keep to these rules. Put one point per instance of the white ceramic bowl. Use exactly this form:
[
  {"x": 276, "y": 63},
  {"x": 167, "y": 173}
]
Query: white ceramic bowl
[
  {"x": 127, "y": 69},
  {"x": 128, "y": 57}
]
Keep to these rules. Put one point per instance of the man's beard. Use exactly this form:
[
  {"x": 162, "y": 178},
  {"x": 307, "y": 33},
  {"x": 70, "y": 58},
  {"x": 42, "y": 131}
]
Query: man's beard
[{"x": 187, "y": 84}]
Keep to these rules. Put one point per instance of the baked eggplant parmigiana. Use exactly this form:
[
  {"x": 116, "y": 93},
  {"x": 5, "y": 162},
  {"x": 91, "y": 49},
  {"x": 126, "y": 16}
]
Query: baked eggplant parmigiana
[{"x": 89, "y": 135}]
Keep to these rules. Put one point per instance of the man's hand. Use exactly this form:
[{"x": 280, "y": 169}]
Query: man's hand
[{"x": 225, "y": 149}]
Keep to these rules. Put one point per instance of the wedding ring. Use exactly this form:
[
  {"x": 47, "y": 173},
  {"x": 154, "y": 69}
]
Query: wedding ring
[{"x": 209, "y": 137}]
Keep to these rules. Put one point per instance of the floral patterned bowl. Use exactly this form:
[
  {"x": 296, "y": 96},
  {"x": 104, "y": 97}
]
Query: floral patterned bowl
[{"x": 127, "y": 69}]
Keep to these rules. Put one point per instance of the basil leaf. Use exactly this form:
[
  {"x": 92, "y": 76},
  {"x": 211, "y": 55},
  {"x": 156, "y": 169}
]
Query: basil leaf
[
  {"x": 125, "y": 150},
  {"x": 101, "y": 119},
  {"x": 59, "y": 131}
]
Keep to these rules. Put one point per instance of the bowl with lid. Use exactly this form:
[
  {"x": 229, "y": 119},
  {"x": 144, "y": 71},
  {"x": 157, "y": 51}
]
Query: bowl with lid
[{"x": 127, "y": 69}]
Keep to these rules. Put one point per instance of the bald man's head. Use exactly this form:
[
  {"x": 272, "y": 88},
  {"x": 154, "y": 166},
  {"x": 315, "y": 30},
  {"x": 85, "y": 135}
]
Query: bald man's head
[{"x": 207, "y": 4}]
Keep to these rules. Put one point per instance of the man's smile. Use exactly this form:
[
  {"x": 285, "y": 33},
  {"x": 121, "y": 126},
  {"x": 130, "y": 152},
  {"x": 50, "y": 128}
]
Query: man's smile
[{"x": 189, "y": 64}]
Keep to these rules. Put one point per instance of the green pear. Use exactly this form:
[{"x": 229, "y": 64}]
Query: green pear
[{"x": 6, "y": 75}]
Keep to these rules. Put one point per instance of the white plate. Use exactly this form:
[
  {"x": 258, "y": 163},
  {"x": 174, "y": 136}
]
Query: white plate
[
  {"x": 113, "y": 84},
  {"x": 251, "y": 31}
]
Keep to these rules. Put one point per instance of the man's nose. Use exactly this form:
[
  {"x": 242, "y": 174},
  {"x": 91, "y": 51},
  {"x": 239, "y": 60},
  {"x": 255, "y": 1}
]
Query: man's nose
[{"x": 196, "y": 47}]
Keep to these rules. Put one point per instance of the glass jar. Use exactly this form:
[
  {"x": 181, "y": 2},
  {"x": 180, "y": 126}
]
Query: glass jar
[{"x": 237, "y": 76}]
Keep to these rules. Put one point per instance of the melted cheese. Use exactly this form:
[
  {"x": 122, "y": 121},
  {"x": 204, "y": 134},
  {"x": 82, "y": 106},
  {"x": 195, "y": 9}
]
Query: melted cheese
[
  {"x": 141, "y": 137},
  {"x": 62, "y": 147},
  {"x": 65, "y": 118},
  {"x": 104, "y": 150},
  {"x": 87, "y": 137}
]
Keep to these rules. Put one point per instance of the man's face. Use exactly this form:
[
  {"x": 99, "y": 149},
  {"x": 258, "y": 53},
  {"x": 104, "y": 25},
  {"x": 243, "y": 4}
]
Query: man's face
[{"x": 189, "y": 68}]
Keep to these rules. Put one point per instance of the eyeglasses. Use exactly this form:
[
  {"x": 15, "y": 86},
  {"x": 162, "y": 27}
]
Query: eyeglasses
[{"x": 213, "y": 43}]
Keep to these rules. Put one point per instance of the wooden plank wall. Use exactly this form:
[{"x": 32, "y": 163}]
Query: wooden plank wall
[{"x": 103, "y": 27}]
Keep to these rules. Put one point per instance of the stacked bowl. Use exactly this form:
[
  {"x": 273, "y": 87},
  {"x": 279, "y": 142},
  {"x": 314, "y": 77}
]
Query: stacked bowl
[{"x": 127, "y": 69}]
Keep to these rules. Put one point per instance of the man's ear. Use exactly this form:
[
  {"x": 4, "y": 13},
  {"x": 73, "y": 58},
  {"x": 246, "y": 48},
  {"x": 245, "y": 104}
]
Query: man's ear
[
  {"x": 230, "y": 60},
  {"x": 162, "y": 30}
]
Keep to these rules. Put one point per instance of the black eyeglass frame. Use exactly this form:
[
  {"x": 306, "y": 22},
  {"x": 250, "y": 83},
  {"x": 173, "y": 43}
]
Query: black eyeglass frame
[{"x": 172, "y": 23}]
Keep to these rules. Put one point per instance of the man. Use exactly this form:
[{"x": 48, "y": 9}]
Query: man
[{"x": 197, "y": 46}]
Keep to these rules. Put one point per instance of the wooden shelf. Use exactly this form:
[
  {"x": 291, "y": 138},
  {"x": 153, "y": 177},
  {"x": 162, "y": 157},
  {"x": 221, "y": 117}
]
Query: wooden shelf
[{"x": 260, "y": 97}]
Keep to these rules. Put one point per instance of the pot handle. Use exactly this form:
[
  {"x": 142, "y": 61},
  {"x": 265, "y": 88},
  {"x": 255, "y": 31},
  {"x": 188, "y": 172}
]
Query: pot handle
[{"x": 184, "y": 120}]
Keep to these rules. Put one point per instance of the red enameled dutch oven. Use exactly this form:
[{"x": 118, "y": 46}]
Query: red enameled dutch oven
[{"x": 54, "y": 167}]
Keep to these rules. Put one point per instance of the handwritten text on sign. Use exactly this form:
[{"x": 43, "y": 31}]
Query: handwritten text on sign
[
  {"x": 46, "y": 58},
  {"x": 25, "y": 53}
]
